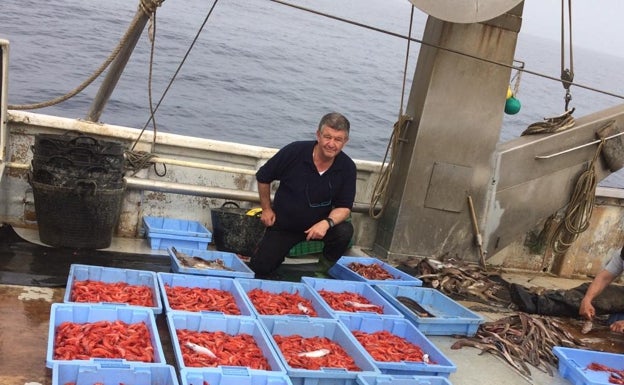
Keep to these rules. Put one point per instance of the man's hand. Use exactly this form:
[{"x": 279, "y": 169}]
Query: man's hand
[
  {"x": 586, "y": 309},
  {"x": 317, "y": 231},
  {"x": 617, "y": 326},
  {"x": 268, "y": 217}
]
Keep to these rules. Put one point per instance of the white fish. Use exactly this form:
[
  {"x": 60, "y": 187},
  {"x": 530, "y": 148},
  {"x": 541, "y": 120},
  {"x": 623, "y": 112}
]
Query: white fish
[
  {"x": 303, "y": 308},
  {"x": 587, "y": 327},
  {"x": 360, "y": 305},
  {"x": 200, "y": 349},
  {"x": 426, "y": 359},
  {"x": 315, "y": 353}
]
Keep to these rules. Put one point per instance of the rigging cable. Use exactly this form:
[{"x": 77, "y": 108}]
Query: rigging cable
[
  {"x": 177, "y": 71},
  {"x": 148, "y": 7},
  {"x": 379, "y": 192},
  {"x": 567, "y": 74},
  {"x": 419, "y": 41},
  {"x": 137, "y": 160}
]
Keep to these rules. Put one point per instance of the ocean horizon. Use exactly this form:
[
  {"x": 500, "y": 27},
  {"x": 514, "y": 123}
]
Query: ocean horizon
[{"x": 262, "y": 73}]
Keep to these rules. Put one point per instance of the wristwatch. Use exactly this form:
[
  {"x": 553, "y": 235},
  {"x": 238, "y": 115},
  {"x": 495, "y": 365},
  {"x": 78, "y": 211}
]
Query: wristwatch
[{"x": 330, "y": 221}]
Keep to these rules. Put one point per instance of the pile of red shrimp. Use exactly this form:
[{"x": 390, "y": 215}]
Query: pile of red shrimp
[
  {"x": 294, "y": 347},
  {"x": 198, "y": 299},
  {"x": 372, "y": 271},
  {"x": 348, "y": 301},
  {"x": 267, "y": 303},
  {"x": 230, "y": 350},
  {"x": 103, "y": 339},
  {"x": 117, "y": 292},
  {"x": 387, "y": 347}
]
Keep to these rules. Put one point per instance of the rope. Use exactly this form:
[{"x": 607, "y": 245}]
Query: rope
[
  {"x": 152, "y": 36},
  {"x": 145, "y": 5},
  {"x": 381, "y": 186},
  {"x": 136, "y": 161},
  {"x": 579, "y": 209},
  {"x": 162, "y": 97}
]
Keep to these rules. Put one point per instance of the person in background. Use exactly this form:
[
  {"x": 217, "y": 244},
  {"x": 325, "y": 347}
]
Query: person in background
[
  {"x": 314, "y": 198},
  {"x": 599, "y": 297}
]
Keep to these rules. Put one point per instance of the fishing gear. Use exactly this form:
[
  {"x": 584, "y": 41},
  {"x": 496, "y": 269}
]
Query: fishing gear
[{"x": 567, "y": 74}]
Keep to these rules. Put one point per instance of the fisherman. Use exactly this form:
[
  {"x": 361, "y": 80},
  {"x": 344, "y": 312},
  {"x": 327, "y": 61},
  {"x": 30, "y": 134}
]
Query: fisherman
[
  {"x": 597, "y": 297},
  {"x": 314, "y": 198}
]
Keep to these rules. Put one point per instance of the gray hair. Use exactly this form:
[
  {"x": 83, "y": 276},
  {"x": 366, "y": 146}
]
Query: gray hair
[{"x": 335, "y": 120}]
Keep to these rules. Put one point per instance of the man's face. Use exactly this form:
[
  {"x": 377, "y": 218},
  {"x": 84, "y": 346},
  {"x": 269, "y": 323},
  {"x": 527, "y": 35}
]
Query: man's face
[{"x": 331, "y": 141}]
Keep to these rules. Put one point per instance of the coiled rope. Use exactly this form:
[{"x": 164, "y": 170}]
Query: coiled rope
[
  {"x": 148, "y": 7},
  {"x": 136, "y": 161},
  {"x": 579, "y": 209},
  {"x": 379, "y": 194}
]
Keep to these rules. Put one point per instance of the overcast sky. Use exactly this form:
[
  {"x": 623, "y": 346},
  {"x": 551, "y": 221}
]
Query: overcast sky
[{"x": 596, "y": 24}]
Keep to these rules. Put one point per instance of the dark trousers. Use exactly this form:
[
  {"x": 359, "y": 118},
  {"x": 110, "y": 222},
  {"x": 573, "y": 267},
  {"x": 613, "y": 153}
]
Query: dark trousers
[{"x": 276, "y": 243}]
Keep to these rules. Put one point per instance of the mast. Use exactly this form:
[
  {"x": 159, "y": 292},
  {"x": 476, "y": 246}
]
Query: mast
[{"x": 145, "y": 10}]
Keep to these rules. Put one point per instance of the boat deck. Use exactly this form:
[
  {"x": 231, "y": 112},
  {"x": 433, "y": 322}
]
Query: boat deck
[{"x": 33, "y": 276}]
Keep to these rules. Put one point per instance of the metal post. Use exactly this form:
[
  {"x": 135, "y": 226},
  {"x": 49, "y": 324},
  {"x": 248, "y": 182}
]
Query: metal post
[
  {"x": 117, "y": 66},
  {"x": 4, "y": 83}
]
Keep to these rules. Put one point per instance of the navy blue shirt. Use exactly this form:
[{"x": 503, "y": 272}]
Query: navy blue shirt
[{"x": 304, "y": 197}]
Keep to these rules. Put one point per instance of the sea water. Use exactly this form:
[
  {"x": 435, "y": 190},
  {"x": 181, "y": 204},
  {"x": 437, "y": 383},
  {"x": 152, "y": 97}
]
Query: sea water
[{"x": 262, "y": 73}]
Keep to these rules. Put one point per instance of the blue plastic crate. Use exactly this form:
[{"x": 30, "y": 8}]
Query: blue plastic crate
[
  {"x": 232, "y": 376},
  {"x": 230, "y": 260},
  {"x": 573, "y": 365},
  {"x": 276, "y": 287},
  {"x": 79, "y": 273},
  {"x": 83, "y": 313},
  {"x": 160, "y": 241},
  {"x": 171, "y": 226},
  {"x": 440, "y": 365},
  {"x": 320, "y": 327},
  {"x": 204, "y": 282},
  {"x": 341, "y": 270},
  {"x": 113, "y": 374},
  {"x": 449, "y": 317},
  {"x": 232, "y": 325},
  {"x": 358, "y": 287},
  {"x": 386, "y": 379}
]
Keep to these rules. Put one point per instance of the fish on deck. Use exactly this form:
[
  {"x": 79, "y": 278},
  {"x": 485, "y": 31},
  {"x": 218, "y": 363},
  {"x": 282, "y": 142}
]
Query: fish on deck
[{"x": 199, "y": 263}]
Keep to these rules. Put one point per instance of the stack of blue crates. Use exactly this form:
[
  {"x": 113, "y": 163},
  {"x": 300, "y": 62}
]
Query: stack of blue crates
[
  {"x": 338, "y": 326},
  {"x": 166, "y": 232}
]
